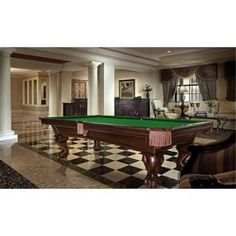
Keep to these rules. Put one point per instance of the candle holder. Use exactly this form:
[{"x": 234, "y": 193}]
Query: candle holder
[
  {"x": 182, "y": 90},
  {"x": 193, "y": 106}
]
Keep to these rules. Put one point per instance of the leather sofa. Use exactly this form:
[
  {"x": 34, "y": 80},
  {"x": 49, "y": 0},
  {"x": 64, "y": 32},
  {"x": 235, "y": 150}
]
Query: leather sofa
[{"x": 210, "y": 165}]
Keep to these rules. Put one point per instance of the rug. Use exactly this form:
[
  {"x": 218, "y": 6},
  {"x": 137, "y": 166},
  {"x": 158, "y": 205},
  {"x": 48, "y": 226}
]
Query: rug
[{"x": 9, "y": 178}]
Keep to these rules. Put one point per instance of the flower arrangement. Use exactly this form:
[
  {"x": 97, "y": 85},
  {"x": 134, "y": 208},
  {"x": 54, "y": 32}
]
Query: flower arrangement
[
  {"x": 212, "y": 105},
  {"x": 147, "y": 87}
]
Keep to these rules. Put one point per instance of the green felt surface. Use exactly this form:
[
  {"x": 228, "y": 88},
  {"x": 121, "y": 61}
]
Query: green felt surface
[{"x": 129, "y": 121}]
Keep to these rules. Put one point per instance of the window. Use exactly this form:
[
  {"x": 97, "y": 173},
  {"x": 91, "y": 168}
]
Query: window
[
  {"x": 193, "y": 93},
  {"x": 34, "y": 92},
  {"x": 29, "y": 92}
]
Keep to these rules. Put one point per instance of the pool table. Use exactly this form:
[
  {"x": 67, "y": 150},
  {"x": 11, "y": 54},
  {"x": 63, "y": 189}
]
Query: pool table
[{"x": 152, "y": 137}]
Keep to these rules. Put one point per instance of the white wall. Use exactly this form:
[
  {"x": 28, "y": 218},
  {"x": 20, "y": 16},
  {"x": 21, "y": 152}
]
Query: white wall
[
  {"x": 106, "y": 90},
  {"x": 153, "y": 78},
  {"x": 65, "y": 88},
  {"x": 17, "y": 94},
  {"x": 80, "y": 75},
  {"x": 16, "y": 91}
]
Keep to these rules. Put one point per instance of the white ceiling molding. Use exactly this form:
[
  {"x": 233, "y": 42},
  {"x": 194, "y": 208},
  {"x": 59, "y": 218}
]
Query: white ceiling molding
[
  {"x": 87, "y": 54},
  {"x": 134, "y": 59}
]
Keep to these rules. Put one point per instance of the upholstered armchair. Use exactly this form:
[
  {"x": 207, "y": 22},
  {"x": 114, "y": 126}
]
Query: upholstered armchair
[
  {"x": 160, "y": 111},
  {"x": 211, "y": 165}
]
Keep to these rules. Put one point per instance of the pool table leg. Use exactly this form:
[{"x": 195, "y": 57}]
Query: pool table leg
[
  {"x": 182, "y": 157},
  {"x": 97, "y": 146},
  {"x": 62, "y": 143},
  {"x": 153, "y": 165}
]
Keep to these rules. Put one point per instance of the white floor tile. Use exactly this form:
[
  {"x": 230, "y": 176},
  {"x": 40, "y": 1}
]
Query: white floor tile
[{"x": 116, "y": 176}]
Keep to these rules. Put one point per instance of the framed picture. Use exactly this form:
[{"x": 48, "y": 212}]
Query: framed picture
[
  {"x": 127, "y": 88},
  {"x": 78, "y": 89}
]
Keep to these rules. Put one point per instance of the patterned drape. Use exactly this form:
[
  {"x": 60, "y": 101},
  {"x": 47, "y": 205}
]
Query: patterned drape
[
  {"x": 206, "y": 78},
  {"x": 169, "y": 88}
]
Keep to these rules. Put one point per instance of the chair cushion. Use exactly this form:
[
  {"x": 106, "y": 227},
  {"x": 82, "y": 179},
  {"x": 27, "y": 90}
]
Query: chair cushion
[
  {"x": 170, "y": 115},
  {"x": 227, "y": 107}
]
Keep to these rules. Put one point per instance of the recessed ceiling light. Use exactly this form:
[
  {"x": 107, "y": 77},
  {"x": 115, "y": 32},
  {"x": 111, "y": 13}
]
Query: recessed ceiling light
[{"x": 169, "y": 51}]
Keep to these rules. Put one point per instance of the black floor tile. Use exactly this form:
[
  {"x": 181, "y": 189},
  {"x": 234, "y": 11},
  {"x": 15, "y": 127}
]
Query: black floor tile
[
  {"x": 101, "y": 170},
  {"x": 130, "y": 170},
  {"x": 77, "y": 161},
  {"x": 173, "y": 159},
  {"x": 163, "y": 170},
  {"x": 171, "y": 153},
  {"x": 103, "y": 160},
  {"x": 44, "y": 148},
  {"x": 131, "y": 182},
  {"x": 126, "y": 153},
  {"x": 85, "y": 148},
  {"x": 87, "y": 143},
  {"x": 106, "y": 147},
  {"x": 168, "y": 182},
  {"x": 72, "y": 142},
  {"x": 33, "y": 143},
  {"x": 81, "y": 154},
  {"x": 75, "y": 139},
  {"x": 103, "y": 153},
  {"x": 127, "y": 160}
]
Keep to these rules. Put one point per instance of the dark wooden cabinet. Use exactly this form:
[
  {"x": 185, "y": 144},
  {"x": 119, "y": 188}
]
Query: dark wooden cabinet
[
  {"x": 79, "y": 107},
  {"x": 132, "y": 107}
]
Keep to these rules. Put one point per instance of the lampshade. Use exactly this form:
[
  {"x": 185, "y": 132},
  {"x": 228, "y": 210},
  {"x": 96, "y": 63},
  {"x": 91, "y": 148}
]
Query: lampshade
[{"x": 183, "y": 89}]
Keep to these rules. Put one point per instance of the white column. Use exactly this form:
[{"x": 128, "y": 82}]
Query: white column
[
  {"x": 39, "y": 93},
  {"x": 53, "y": 94},
  {"x": 106, "y": 86},
  {"x": 59, "y": 94},
  {"x": 6, "y": 132},
  {"x": 47, "y": 91},
  {"x": 32, "y": 92},
  {"x": 65, "y": 78},
  {"x": 93, "y": 88},
  {"x": 28, "y": 93}
]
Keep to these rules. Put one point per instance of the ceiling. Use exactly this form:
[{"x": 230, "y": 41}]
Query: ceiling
[{"x": 129, "y": 58}]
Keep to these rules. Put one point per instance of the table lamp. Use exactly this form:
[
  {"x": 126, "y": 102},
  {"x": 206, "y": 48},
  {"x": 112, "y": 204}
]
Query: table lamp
[{"x": 182, "y": 90}]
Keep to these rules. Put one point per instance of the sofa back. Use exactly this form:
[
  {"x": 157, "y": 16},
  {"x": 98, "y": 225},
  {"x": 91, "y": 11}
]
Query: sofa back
[
  {"x": 227, "y": 107},
  {"x": 224, "y": 107}
]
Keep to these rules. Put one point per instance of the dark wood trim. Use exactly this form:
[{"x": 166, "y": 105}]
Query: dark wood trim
[{"x": 37, "y": 58}]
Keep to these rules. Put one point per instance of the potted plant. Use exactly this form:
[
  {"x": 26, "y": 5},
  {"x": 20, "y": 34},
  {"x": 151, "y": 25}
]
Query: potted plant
[{"x": 212, "y": 106}]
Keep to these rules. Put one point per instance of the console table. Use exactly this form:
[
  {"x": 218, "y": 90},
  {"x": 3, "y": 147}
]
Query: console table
[
  {"x": 78, "y": 107},
  {"x": 221, "y": 120},
  {"x": 132, "y": 107}
]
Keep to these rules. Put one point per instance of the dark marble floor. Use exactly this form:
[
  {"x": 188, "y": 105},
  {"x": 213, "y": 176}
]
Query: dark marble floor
[{"x": 10, "y": 178}]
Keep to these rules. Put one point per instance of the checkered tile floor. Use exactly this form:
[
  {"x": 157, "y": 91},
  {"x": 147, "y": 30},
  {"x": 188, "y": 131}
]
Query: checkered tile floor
[{"x": 113, "y": 165}]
